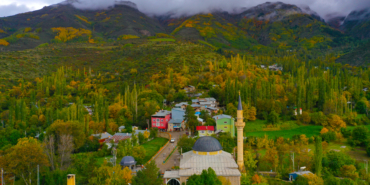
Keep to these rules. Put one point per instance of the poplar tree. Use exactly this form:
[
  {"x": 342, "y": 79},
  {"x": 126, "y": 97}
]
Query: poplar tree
[{"x": 318, "y": 155}]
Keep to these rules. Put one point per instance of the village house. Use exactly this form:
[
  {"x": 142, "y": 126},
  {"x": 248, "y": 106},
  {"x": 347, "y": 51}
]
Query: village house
[
  {"x": 182, "y": 105},
  {"x": 205, "y": 130},
  {"x": 102, "y": 136},
  {"x": 275, "y": 67},
  {"x": 177, "y": 120},
  {"x": 225, "y": 123},
  {"x": 189, "y": 89},
  {"x": 116, "y": 138},
  {"x": 160, "y": 119}
]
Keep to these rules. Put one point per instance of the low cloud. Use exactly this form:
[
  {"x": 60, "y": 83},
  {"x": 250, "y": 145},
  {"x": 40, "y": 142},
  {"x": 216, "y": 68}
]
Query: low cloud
[
  {"x": 190, "y": 7},
  {"x": 12, "y": 9}
]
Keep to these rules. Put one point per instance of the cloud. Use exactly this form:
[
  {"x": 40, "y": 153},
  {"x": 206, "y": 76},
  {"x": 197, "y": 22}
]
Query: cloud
[
  {"x": 12, "y": 9},
  {"x": 189, "y": 7}
]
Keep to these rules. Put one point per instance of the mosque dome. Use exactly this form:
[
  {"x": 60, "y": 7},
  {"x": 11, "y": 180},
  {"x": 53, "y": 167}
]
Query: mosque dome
[
  {"x": 207, "y": 144},
  {"x": 127, "y": 161}
]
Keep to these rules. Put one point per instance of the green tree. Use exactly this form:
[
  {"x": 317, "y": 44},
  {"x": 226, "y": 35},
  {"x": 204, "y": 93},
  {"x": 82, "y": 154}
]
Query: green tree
[
  {"x": 361, "y": 107},
  {"x": 148, "y": 176},
  {"x": 273, "y": 118},
  {"x": 318, "y": 155},
  {"x": 207, "y": 177},
  {"x": 190, "y": 119},
  {"x": 185, "y": 143},
  {"x": 360, "y": 135}
]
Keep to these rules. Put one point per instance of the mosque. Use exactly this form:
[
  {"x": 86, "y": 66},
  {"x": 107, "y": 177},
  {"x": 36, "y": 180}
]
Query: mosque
[{"x": 207, "y": 152}]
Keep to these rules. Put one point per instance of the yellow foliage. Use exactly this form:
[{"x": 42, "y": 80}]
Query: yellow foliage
[
  {"x": 224, "y": 181},
  {"x": 313, "y": 179},
  {"x": 324, "y": 130},
  {"x": 146, "y": 134},
  {"x": 106, "y": 19},
  {"x": 28, "y": 29},
  {"x": 82, "y": 18},
  {"x": 3, "y": 42},
  {"x": 42, "y": 16},
  {"x": 336, "y": 123},
  {"x": 349, "y": 171},
  {"x": 126, "y": 37},
  {"x": 91, "y": 41},
  {"x": 2, "y": 31},
  {"x": 68, "y": 33}
]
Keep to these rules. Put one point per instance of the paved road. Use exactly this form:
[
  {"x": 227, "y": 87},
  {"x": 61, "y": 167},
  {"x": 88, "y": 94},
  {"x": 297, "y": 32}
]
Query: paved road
[{"x": 174, "y": 159}]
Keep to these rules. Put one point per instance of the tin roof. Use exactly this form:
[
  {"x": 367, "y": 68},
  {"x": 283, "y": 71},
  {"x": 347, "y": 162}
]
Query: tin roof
[
  {"x": 221, "y": 116},
  {"x": 162, "y": 113}
]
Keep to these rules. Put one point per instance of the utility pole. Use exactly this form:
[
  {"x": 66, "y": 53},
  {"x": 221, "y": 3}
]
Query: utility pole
[
  {"x": 2, "y": 176},
  {"x": 366, "y": 165},
  {"x": 38, "y": 175},
  {"x": 292, "y": 157}
]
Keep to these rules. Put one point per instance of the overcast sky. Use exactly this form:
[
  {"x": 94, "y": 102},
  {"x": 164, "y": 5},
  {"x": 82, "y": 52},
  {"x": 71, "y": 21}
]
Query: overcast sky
[{"x": 322, "y": 7}]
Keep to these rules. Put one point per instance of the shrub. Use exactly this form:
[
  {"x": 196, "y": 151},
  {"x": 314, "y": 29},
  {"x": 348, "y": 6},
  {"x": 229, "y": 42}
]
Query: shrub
[
  {"x": 360, "y": 135},
  {"x": 329, "y": 136}
]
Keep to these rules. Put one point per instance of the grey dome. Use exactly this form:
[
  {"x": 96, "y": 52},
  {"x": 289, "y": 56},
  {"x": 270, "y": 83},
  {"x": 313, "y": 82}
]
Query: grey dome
[
  {"x": 207, "y": 144},
  {"x": 127, "y": 161}
]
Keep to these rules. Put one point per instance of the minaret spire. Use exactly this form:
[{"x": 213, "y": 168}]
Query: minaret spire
[{"x": 240, "y": 127}]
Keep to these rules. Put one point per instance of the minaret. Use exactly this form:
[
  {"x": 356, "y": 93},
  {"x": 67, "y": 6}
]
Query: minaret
[{"x": 240, "y": 126}]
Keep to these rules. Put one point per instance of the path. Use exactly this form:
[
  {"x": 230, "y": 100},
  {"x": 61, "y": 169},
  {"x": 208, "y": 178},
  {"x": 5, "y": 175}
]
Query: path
[{"x": 166, "y": 151}]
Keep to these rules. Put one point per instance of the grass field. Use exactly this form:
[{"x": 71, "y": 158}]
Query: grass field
[
  {"x": 152, "y": 147},
  {"x": 307, "y": 130},
  {"x": 163, "y": 40}
]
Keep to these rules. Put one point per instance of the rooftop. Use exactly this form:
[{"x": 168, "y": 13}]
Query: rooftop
[
  {"x": 162, "y": 113},
  {"x": 127, "y": 161},
  {"x": 221, "y": 116},
  {"x": 211, "y": 128}
]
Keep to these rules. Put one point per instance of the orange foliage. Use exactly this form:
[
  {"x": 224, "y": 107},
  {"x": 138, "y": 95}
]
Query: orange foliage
[
  {"x": 324, "y": 130},
  {"x": 256, "y": 179},
  {"x": 2, "y": 31},
  {"x": 4, "y": 42}
]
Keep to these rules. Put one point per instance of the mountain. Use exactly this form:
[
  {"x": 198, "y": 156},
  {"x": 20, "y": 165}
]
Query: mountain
[
  {"x": 357, "y": 23},
  {"x": 267, "y": 27},
  {"x": 121, "y": 19}
]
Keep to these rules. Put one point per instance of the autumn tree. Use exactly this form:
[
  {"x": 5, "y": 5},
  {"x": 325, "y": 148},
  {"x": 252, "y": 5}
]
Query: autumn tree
[
  {"x": 272, "y": 157},
  {"x": 65, "y": 148},
  {"x": 73, "y": 128},
  {"x": 23, "y": 158},
  {"x": 336, "y": 123},
  {"x": 305, "y": 117},
  {"x": 191, "y": 119},
  {"x": 313, "y": 179},
  {"x": 107, "y": 175},
  {"x": 252, "y": 112},
  {"x": 349, "y": 171},
  {"x": 49, "y": 148}
]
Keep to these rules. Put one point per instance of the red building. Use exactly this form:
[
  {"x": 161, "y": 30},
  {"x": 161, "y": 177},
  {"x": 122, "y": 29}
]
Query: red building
[{"x": 161, "y": 119}]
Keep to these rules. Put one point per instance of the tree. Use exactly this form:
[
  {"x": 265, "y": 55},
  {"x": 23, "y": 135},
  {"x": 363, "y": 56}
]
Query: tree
[
  {"x": 23, "y": 158},
  {"x": 146, "y": 135},
  {"x": 256, "y": 179},
  {"x": 73, "y": 128},
  {"x": 252, "y": 112},
  {"x": 148, "y": 176},
  {"x": 360, "y": 135},
  {"x": 313, "y": 179},
  {"x": 249, "y": 161},
  {"x": 191, "y": 119},
  {"x": 319, "y": 118},
  {"x": 139, "y": 153},
  {"x": 141, "y": 138},
  {"x": 107, "y": 175},
  {"x": 224, "y": 181},
  {"x": 273, "y": 118},
  {"x": 185, "y": 144},
  {"x": 361, "y": 107},
  {"x": 349, "y": 171},
  {"x": 336, "y": 123},
  {"x": 305, "y": 117},
  {"x": 49, "y": 149},
  {"x": 318, "y": 155},
  {"x": 231, "y": 110},
  {"x": 65, "y": 148},
  {"x": 272, "y": 157},
  {"x": 153, "y": 132},
  {"x": 207, "y": 177}
]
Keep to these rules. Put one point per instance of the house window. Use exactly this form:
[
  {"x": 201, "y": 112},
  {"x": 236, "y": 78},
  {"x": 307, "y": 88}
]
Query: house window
[
  {"x": 225, "y": 122},
  {"x": 157, "y": 120},
  {"x": 161, "y": 120},
  {"x": 202, "y": 132},
  {"x": 153, "y": 120},
  {"x": 225, "y": 127},
  {"x": 162, "y": 125},
  {"x": 157, "y": 124}
]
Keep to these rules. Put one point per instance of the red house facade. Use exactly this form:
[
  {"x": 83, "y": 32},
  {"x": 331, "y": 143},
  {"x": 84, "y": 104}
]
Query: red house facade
[{"x": 160, "y": 119}]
